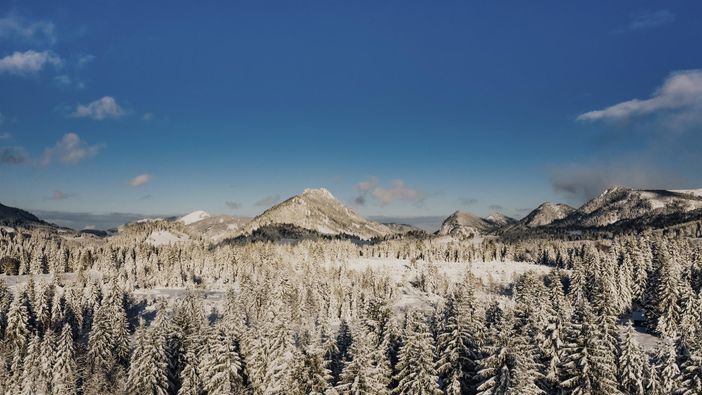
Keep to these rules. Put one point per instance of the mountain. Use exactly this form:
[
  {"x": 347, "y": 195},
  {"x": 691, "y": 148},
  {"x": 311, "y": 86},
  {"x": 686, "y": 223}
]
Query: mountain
[
  {"x": 193, "y": 217},
  {"x": 319, "y": 211},
  {"x": 11, "y": 216},
  {"x": 546, "y": 214},
  {"x": 619, "y": 204},
  {"x": 465, "y": 226},
  {"x": 218, "y": 227},
  {"x": 500, "y": 219}
]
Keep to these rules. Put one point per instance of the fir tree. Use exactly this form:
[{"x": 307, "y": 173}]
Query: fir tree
[{"x": 416, "y": 373}]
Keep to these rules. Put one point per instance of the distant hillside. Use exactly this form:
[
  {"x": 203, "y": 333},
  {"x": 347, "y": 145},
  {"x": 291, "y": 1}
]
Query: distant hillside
[
  {"x": 465, "y": 226},
  {"x": 11, "y": 216}
]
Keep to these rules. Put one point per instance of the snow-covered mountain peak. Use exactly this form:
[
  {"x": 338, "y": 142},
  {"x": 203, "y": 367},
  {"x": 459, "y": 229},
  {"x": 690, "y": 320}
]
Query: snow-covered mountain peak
[
  {"x": 193, "y": 217},
  {"x": 318, "y": 210},
  {"x": 318, "y": 192}
]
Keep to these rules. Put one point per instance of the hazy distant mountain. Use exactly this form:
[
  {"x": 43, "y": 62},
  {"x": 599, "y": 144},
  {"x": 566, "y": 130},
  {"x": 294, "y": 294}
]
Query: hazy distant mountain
[
  {"x": 626, "y": 204},
  {"x": 403, "y": 229},
  {"x": 546, "y": 214},
  {"x": 319, "y": 211},
  {"x": 465, "y": 226},
  {"x": 11, "y": 216}
]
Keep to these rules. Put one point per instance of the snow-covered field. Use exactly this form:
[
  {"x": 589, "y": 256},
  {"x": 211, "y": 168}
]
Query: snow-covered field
[{"x": 489, "y": 273}]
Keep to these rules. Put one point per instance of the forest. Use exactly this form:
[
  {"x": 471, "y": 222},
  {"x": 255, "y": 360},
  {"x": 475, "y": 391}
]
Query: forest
[{"x": 126, "y": 317}]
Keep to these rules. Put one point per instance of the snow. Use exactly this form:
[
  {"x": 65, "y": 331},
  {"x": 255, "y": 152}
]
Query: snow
[
  {"x": 193, "y": 217},
  {"x": 162, "y": 237},
  {"x": 693, "y": 192},
  {"x": 8, "y": 229}
]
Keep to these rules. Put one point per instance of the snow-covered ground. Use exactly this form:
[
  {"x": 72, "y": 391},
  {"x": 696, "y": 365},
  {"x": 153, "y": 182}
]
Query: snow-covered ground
[
  {"x": 162, "y": 237},
  {"x": 502, "y": 273},
  {"x": 193, "y": 217}
]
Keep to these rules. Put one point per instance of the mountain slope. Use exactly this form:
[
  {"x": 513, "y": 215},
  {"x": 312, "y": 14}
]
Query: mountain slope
[
  {"x": 499, "y": 219},
  {"x": 465, "y": 226},
  {"x": 218, "y": 227},
  {"x": 11, "y": 216},
  {"x": 546, "y": 214},
  {"x": 318, "y": 210},
  {"x": 626, "y": 204}
]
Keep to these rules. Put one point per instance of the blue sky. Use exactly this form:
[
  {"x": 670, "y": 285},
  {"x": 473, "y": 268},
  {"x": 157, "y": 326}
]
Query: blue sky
[{"x": 400, "y": 108}]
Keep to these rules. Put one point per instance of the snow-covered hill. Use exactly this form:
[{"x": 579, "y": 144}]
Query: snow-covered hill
[
  {"x": 193, "y": 217},
  {"x": 318, "y": 210},
  {"x": 12, "y": 217},
  {"x": 218, "y": 227},
  {"x": 619, "y": 203},
  {"x": 546, "y": 214},
  {"x": 465, "y": 226}
]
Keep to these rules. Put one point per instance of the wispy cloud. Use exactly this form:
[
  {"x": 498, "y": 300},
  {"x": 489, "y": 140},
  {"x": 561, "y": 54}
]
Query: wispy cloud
[
  {"x": 28, "y": 63},
  {"x": 678, "y": 100},
  {"x": 5, "y": 136},
  {"x": 70, "y": 149},
  {"x": 268, "y": 201},
  {"x": 13, "y": 155},
  {"x": 233, "y": 205},
  {"x": 651, "y": 19},
  {"x": 146, "y": 197},
  {"x": 14, "y": 27},
  {"x": 103, "y": 108},
  {"x": 397, "y": 191},
  {"x": 60, "y": 195},
  {"x": 496, "y": 207},
  {"x": 140, "y": 180}
]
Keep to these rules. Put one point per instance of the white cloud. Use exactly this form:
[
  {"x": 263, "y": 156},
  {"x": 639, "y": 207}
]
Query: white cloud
[
  {"x": 28, "y": 63},
  {"x": 386, "y": 195},
  {"x": 13, "y": 26},
  {"x": 679, "y": 98},
  {"x": 70, "y": 149},
  {"x": 139, "y": 180},
  {"x": 649, "y": 20},
  {"x": 100, "y": 109}
]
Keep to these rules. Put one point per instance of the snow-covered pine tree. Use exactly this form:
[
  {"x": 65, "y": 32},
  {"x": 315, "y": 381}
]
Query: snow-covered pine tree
[
  {"x": 415, "y": 369},
  {"x": 190, "y": 381},
  {"x": 508, "y": 366},
  {"x": 309, "y": 374},
  {"x": 63, "y": 381},
  {"x": 458, "y": 344},
  {"x": 632, "y": 364},
  {"x": 364, "y": 374},
  {"x": 587, "y": 368},
  {"x": 221, "y": 366}
]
